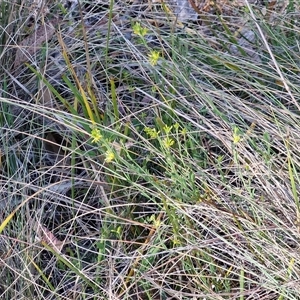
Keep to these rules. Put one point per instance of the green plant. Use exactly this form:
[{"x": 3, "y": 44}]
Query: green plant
[{"x": 144, "y": 159}]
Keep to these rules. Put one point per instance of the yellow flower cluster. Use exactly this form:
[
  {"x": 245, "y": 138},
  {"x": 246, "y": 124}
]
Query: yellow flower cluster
[
  {"x": 139, "y": 30},
  {"x": 153, "y": 57},
  {"x": 109, "y": 156},
  {"x": 152, "y": 132},
  {"x": 167, "y": 141},
  {"x": 97, "y": 137}
]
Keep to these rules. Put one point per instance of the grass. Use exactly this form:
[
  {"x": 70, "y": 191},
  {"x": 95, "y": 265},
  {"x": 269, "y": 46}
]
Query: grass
[{"x": 144, "y": 158}]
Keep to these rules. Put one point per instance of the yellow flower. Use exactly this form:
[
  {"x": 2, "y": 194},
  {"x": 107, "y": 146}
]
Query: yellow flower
[
  {"x": 184, "y": 131},
  {"x": 109, "y": 156},
  {"x": 168, "y": 142},
  {"x": 154, "y": 57},
  {"x": 236, "y": 135},
  {"x": 139, "y": 30},
  {"x": 156, "y": 221},
  {"x": 152, "y": 132},
  {"x": 176, "y": 126},
  {"x": 96, "y": 135},
  {"x": 167, "y": 129}
]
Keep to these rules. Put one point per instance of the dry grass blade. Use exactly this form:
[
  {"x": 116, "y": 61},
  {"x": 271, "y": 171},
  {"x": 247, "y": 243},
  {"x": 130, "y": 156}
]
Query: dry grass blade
[
  {"x": 179, "y": 179},
  {"x": 44, "y": 235},
  {"x": 33, "y": 43}
]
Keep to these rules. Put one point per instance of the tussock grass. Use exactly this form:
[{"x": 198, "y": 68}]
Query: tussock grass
[{"x": 147, "y": 159}]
